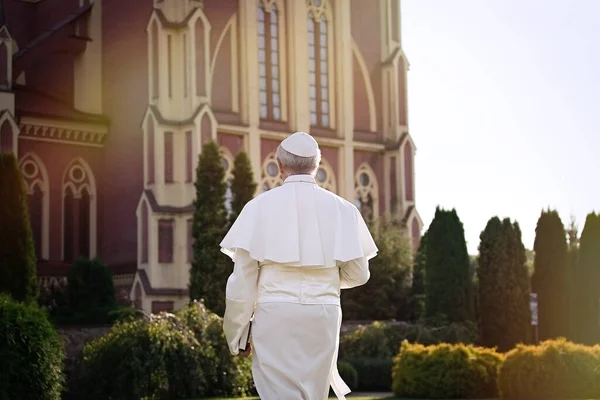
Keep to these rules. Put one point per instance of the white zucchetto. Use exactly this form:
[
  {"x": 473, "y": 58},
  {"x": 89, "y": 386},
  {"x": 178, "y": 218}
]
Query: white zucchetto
[{"x": 301, "y": 144}]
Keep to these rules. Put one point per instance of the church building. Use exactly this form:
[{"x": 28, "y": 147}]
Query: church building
[{"x": 107, "y": 103}]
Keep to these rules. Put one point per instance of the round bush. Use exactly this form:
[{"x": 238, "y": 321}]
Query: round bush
[
  {"x": 160, "y": 358},
  {"x": 31, "y": 351},
  {"x": 445, "y": 371},
  {"x": 227, "y": 375},
  {"x": 348, "y": 374},
  {"x": 555, "y": 369}
]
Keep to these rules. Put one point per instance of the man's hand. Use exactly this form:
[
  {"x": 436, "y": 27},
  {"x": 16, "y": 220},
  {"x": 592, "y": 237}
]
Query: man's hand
[{"x": 247, "y": 352}]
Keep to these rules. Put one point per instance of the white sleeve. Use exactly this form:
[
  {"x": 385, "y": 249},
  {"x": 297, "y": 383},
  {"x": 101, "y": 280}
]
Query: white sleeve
[
  {"x": 240, "y": 297},
  {"x": 354, "y": 273}
]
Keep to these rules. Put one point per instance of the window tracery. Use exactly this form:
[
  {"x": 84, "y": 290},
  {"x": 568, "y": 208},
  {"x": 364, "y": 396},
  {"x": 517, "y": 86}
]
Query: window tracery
[
  {"x": 78, "y": 211},
  {"x": 366, "y": 190},
  {"x": 35, "y": 177},
  {"x": 271, "y": 177},
  {"x": 325, "y": 176}
]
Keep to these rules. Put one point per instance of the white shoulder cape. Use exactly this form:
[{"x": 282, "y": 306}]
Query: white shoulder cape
[{"x": 300, "y": 224}]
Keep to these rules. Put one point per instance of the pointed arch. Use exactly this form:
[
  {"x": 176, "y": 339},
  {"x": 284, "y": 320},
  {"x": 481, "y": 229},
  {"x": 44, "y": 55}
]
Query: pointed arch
[
  {"x": 271, "y": 176},
  {"x": 325, "y": 176},
  {"x": 321, "y": 73},
  {"x": 366, "y": 191},
  {"x": 201, "y": 53},
  {"x": 79, "y": 211},
  {"x": 364, "y": 71},
  {"x": 35, "y": 176},
  {"x": 154, "y": 52},
  {"x": 409, "y": 172},
  {"x": 4, "y": 60},
  {"x": 144, "y": 231}
]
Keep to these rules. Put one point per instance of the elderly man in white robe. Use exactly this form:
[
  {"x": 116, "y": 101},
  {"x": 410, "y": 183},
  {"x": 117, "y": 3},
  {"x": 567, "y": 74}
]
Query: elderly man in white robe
[{"x": 294, "y": 248}]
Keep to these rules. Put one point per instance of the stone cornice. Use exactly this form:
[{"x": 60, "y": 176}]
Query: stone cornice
[{"x": 63, "y": 131}]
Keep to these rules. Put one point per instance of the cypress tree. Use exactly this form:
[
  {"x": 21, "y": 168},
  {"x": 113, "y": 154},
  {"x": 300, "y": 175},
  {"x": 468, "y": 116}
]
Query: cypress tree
[
  {"x": 390, "y": 279},
  {"x": 447, "y": 267},
  {"x": 210, "y": 269},
  {"x": 504, "y": 314},
  {"x": 550, "y": 277},
  {"x": 17, "y": 249},
  {"x": 573, "y": 235},
  {"x": 243, "y": 185},
  {"x": 587, "y": 293}
]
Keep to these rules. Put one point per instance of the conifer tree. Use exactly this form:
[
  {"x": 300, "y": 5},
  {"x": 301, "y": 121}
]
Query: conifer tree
[
  {"x": 447, "y": 277},
  {"x": 210, "y": 268},
  {"x": 243, "y": 185},
  {"x": 587, "y": 291},
  {"x": 17, "y": 249},
  {"x": 503, "y": 283},
  {"x": 550, "y": 277}
]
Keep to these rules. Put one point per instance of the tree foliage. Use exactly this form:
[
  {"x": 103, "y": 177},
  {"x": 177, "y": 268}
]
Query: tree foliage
[
  {"x": 447, "y": 276},
  {"x": 550, "y": 277},
  {"x": 243, "y": 185},
  {"x": 504, "y": 313},
  {"x": 210, "y": 269},
  {"x": 390, "y": 279},
  {"x": 17, "y": 250},
  {"x": 587, "y": 293}
]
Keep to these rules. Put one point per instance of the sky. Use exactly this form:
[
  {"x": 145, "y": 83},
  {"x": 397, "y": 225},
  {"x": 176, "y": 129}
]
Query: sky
[{"x": 504, "y": 109}]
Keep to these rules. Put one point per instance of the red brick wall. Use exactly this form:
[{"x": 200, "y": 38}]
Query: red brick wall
[
  {"x": 125, "y": 99},
  {"x": 234, "y": 143},
  {"x": 364, "y": 26}
]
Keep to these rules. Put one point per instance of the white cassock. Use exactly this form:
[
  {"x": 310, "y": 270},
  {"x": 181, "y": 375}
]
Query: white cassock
[{"x": 294, "y": 248}]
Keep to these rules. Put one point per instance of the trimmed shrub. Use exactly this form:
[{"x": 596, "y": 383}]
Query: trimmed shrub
[
  {"x": 227, "y": 375},
  {"x": 31, "y": 352},
  {"x": 555, "y": 369},
  {"x": 89, "y": 297},
  {"x": 160, "y": 358},
  {"x": 348, "y": 374},
  {"x": 445, "y": 371}
]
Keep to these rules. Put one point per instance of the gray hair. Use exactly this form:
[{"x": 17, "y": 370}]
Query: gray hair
[{"x": 296, "y": 165}]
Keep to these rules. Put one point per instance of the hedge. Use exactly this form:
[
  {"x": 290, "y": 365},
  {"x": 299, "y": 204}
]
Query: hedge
[
  {"x": 556, "y": 369},
  {"x": 445, "y": 371},
  {"x": 159, "y": 358},
  {"x": 31, "y": 353}
]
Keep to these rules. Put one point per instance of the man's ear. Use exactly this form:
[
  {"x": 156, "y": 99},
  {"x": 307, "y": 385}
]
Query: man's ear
[{"x": 281, "y": 170}]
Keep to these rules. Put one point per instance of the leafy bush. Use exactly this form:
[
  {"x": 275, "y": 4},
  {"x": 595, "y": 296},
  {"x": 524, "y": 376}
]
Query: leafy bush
[
  {"x": 348, "y": 374},
  {"x": 227, "y": 375},
  {"x": 555, "y": 369},
  {"x": 382, "y": 339},
  {"x": 88, "y": 298},
  {"x": 31, "y": 352},
  {"x": 445, "y": 371},
  {"x": 374, "y": 374},
  {"x": 391, "y": 275},
  {"x": 160, "y": 358}
]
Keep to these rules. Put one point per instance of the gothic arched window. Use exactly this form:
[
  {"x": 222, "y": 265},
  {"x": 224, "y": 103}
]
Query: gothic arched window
[
  {"x": 366, "y": 190},
  {"x": 271, "y": 59},
  {"x": 79, "y": 211},
  {"x": 271, "y": 177},
  {"x": 320, "y": 63},
  {"x": 35, "y": 177}
]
